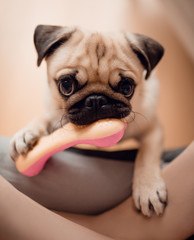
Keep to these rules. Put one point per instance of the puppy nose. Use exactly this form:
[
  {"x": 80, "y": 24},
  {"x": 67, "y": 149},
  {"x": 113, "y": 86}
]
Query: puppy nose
[{"x": 95, "y": 101}]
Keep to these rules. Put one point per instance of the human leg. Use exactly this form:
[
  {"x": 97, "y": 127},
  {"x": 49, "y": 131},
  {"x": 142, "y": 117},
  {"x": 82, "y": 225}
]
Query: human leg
[
  {"x": 22, "y": 218},
  {"x": 177, "y": 222}
]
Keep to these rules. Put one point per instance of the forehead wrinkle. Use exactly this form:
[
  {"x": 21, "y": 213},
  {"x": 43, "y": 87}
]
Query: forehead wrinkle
[
  {"x": 94, "y": 50},
  {"x": 99, "y": 55},
  {"x": 64, "y": 56},
  {"x": 90, "y": 61},
  {"x": 100, "y": 49},
  {"x": 104, "y": 70},
  {"x": 78, "y": 57},
  {"x": 77, "y": 52},
  {"x": 93, "y": 43},
  {"x": 119, "y": 59},
  {"x": 125, "y": 56}
]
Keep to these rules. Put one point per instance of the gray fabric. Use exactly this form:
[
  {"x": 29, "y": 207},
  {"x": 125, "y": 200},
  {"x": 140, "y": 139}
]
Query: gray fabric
[{"x": 72, "y": 182}]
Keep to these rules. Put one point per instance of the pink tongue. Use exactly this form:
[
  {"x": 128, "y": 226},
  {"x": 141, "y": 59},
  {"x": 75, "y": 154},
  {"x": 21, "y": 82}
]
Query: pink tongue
[{"x": 107, "y": 141}]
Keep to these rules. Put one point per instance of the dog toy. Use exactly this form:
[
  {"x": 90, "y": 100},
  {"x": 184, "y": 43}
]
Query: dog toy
[{"x": 103, "y": 133}]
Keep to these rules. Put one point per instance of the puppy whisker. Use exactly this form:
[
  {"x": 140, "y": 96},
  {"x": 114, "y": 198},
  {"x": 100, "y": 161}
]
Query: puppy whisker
[
  {"x": 141, "y": 115},
  {"x": 132, "y": 117},
  {"x": 63, "y": 120}
]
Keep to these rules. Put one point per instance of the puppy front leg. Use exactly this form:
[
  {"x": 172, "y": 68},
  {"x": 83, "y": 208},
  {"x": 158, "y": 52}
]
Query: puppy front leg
[
  {"x": 149, "y": 189},
  {"x": 26, "y": 138}
]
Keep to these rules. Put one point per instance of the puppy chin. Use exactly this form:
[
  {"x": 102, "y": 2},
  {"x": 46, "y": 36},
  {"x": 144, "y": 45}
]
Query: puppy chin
[{"x": 96, "y": 107}]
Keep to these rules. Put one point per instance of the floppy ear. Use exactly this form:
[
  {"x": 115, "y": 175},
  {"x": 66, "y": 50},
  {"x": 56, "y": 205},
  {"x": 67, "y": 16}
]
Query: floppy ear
[
  {"x": 48, "y": 38},
  {"x": 147, "y": 50}
]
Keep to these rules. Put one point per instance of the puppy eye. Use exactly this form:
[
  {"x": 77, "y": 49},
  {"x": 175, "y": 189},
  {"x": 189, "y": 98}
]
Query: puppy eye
[
  {"x": 67, "y": 85},
  {"x": 126, "y": 86}
]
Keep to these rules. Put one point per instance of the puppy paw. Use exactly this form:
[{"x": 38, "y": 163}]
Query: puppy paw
[
  {"x": 150, "y": 195},
  {"x": 22, "y": 142}
]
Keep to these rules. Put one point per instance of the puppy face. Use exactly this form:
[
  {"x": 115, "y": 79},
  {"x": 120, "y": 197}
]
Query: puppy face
[{"x": 93, "y": 76}]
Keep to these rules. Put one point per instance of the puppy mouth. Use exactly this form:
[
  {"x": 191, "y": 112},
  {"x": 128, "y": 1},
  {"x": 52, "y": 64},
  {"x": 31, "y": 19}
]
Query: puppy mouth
[{"x": 95, "y": 107}]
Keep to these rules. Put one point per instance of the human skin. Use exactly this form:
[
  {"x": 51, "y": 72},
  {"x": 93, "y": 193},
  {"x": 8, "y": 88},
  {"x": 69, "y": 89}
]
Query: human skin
[
  {"x": 177, "y": 222},
  {"x": 22, "y": 218}
]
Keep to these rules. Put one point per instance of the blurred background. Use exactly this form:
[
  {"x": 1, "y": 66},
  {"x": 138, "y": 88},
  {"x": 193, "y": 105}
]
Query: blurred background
[{"x": 171, "y": 22}]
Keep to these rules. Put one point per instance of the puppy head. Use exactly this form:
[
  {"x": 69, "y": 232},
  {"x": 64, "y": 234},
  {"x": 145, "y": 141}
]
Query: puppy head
[{"x": 95, "y": 75}]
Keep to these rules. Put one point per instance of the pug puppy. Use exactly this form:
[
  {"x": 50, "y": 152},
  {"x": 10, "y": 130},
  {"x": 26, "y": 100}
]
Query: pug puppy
[{"x": 92, "y": 76}]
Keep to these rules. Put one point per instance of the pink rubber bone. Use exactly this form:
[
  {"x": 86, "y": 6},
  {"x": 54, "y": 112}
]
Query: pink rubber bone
[{"x": 103, "y": 133}]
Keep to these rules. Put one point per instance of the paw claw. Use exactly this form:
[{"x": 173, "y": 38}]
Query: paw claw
[
  {"x": 150, "y": 196},
  {"x": 162, "y": 195}
]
